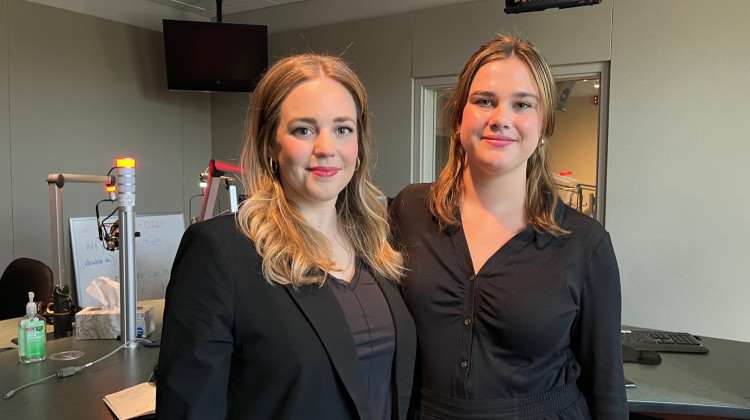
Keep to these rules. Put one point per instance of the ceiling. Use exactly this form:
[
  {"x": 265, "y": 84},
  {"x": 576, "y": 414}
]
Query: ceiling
[
  {"x": 291, "y": 14},
  {"x": 312, "y": 12},
  {"x": 582, "y": 87},
  {"x": 208, "y": 8}
]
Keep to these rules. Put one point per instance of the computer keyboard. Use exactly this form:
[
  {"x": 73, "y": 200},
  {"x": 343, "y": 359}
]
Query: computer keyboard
[{"x": 664, "y": 341}]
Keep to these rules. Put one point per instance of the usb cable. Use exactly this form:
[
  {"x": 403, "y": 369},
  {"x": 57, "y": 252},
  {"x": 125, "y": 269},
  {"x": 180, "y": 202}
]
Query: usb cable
[{"x": 72, "y": 370}]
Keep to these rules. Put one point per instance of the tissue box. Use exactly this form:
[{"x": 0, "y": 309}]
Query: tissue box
[{"x": 97, "y": 323}]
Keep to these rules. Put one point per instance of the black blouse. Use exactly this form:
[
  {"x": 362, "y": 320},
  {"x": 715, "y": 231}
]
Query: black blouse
[
  {"x": 371, "y": 324},
  {"x": 541, "y": 313}
]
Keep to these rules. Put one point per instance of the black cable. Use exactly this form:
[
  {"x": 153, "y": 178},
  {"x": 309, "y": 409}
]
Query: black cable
[
  {"x": 103, "y": 235},
  {"x": 113, "y": 211},
  {"x": 190, "y": 205}
]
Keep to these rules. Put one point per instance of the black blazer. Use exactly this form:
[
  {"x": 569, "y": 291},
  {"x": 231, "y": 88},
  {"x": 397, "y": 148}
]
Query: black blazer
[{"x": 234, "y": 346}]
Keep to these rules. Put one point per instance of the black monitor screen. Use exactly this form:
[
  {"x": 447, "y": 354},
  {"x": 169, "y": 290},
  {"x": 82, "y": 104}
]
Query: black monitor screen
[
  {"x": 521, "y": 6},
  {"x": 211, "y": 56}
]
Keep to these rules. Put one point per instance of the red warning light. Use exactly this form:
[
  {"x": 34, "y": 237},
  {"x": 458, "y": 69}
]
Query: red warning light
[
  {"x": 110, "y": 188},
  {"x": 596, "y": 100}
]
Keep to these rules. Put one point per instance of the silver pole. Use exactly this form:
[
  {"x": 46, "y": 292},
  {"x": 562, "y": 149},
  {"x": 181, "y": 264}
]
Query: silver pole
[
  {"x": 128, "y": 291},
  {"x": 56, "y": 225},
  {"x": 55, "y": 182}
]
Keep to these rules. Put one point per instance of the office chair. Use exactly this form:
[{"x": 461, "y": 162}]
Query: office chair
[{"x": 24, "y": 275}]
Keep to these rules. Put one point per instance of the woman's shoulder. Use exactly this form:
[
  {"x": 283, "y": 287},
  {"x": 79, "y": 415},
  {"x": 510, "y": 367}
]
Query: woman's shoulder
[
  {"x": 220, "y": 230},
  {"x": 420, "y": 187},
  {"x": 413, "y": 194},
  {"x": 578, "y": 224},
  {"x": 219, "y": 225}
]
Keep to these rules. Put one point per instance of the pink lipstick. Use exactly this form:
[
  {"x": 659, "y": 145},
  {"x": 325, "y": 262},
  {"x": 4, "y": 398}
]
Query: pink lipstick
[
  {"x": 498, "y": 141},
  {"x": 324, "y": 171}
]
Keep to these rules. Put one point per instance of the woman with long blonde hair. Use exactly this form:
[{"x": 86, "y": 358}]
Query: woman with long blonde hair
[
  {"x": 291, "y": 308},
  {"x": 516, "y": 297}
]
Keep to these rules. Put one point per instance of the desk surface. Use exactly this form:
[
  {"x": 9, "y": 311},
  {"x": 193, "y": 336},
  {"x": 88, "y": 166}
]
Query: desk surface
[
  {"x": 713, "y": 384},
  {"x": 78, "y": 396}
]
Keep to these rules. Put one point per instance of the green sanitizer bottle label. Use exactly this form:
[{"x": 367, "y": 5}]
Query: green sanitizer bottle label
[
  {"x": 35, "y": 339},
  {"x": 22, "y": 341}
]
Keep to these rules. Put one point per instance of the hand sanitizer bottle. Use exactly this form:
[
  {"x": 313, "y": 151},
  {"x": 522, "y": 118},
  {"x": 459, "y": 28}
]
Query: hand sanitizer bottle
[{"x": 32, "y": 335}]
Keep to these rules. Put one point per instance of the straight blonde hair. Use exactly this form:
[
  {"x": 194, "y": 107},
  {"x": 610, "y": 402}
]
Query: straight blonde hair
[
  {"x": 293, "y": 251},
  {"x": 541, "y": 192}
]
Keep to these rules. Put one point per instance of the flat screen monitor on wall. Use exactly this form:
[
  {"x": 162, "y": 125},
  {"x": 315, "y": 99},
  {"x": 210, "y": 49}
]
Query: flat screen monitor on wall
[
  {"x": 523, "y": 6},
  {"x": 214, "y": 57}
]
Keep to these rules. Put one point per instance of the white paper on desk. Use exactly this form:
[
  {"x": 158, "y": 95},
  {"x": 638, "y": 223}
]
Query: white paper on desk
[{"x": 133, "y": 402}]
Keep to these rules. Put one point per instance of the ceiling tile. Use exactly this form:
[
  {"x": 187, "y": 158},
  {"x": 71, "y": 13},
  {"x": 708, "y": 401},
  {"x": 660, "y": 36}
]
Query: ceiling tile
[{"x": 208, "y": 7}]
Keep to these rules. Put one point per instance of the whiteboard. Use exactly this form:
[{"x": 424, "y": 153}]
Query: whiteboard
[{"x": 155, "y": 250}]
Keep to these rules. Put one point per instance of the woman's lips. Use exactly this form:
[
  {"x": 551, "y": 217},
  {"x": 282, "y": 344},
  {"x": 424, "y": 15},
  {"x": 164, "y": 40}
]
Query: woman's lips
[
  {"x": 498, "y": 141},
  {"x": 323, "y": 171}
]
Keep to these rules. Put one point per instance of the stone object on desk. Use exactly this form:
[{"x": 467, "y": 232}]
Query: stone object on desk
[{"x": 94, "y": 323}]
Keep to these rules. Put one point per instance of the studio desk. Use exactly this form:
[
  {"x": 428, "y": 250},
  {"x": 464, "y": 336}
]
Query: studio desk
[
  {"x": 716, "y": 384},
  {"x": 80, "y": 396}
]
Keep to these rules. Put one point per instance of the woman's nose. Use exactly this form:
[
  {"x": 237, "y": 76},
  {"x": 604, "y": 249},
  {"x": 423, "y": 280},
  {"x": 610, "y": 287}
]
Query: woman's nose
[
  {"x": 501, "y": 119},
  {"x": 324, "y": 144}
]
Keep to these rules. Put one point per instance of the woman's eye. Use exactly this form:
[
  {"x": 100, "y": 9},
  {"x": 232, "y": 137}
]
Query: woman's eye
[
  {"x": 523, "y": 105},
  {"x": 483, "y": 102},
  {"x": 302, "y": 131},
  {"x": 344, "y": 130}
]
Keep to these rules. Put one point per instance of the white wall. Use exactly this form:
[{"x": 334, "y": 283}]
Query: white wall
[
  {"x": 80, "y": 92},
  {"x": 677, "y": 190},
  {"x": 678, "y": 129}
]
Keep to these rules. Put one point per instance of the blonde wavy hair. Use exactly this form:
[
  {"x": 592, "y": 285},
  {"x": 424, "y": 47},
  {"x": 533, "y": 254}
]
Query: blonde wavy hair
[
  {"x": 292, "y": 250},
  {"x": 541, "y": 191}
]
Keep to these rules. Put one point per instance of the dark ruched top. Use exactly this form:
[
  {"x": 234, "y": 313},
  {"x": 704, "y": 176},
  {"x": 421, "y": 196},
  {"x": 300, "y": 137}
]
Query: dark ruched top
[{"x": 542, "y": 314}]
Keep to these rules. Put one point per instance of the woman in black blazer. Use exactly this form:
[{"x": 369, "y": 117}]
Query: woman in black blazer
[{"x": 291, "y": 308}]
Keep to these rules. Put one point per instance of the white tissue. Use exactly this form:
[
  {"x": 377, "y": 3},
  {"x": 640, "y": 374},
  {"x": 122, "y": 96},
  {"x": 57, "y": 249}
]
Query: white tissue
[{"x": 106, "y": 291}]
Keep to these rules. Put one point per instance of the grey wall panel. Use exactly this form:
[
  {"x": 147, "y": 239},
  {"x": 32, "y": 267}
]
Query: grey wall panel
[
  {"x": 228, "y": 124},
  {"x": 196, "y": 147},
  {"x": 445, "y": 37},
  {"x": 677, "y": 188},
  {"x": 84, "y": 91},
  {"x": 6, "y": 204},
  {"x": 379, "y": 50}
]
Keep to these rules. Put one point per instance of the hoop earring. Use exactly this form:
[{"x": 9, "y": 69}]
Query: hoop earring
[
  {"x": 274, "y": 167},
  {"x": 356, "y": 165}
]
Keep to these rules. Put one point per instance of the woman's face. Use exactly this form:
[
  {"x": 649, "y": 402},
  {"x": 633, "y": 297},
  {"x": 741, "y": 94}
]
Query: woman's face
[
  {"x": 316, "y": 142},
  {"x": 501, "y": 123}
]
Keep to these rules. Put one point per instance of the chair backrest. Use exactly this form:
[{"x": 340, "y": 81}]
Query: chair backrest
[{"x": 24, "y": 275}]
